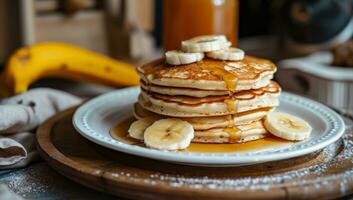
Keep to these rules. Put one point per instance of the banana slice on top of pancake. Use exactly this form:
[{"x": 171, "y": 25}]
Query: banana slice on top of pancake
[
  {"x": 205, "y": 43},
  {"x": 169, "y": 134},
  {"x": 287, "y": 126},
  {"x": 231, "y": 53},
  {"x": 180, "y": 58}
]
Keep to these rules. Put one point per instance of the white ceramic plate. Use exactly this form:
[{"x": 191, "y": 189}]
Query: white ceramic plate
[{"x": 94, "y": 119}]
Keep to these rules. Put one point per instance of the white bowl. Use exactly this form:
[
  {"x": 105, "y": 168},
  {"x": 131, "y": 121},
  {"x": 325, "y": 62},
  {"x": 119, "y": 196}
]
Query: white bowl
[{"x": 313, "y": 76}]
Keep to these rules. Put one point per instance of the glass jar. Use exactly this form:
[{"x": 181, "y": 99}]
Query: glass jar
[{"x": 183, "y": 19}]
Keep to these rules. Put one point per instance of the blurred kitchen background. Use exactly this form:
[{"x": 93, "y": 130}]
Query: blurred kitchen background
[{"x": 137, "y": 31}]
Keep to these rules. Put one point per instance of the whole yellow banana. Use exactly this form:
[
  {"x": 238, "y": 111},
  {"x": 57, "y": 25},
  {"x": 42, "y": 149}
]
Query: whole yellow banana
[{"x": 51, "y": 59}]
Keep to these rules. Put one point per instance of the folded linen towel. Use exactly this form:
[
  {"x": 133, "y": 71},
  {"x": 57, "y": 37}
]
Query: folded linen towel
[{"x": 20, "y": 115}]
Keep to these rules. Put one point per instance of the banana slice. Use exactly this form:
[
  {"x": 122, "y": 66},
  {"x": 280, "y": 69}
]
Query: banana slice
[
  {"x": 179, "y": 57},
  {"x": 205, "y": 43},
  {"x": 169, "y": 134},
  {"x": 227, "y": 54},
  {"x": 137, "y": 128},
  {"x": 287, "y": 126}
]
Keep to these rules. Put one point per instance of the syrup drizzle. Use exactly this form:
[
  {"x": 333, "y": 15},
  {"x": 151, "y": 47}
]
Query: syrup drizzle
[
  {"x": 217, "y": 68},
  {"x": 231, "y": 81}
]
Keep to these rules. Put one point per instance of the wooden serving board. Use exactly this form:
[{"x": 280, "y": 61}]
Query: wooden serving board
[{"x": 324, "y": 174}]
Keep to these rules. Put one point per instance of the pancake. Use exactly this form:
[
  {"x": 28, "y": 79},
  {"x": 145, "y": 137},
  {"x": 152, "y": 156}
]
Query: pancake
[
  {"x": 182, "y": 91},
  {"x": 210, "y": 74},
  {"x": 184, "y": 106},
  {"x": 225, "y": 140},
  {"x": 205, "y": 123},
  {"x": 242, "y": 133}
]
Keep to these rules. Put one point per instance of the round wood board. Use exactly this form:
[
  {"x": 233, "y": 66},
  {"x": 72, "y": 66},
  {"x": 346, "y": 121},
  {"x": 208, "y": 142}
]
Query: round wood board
[{"x": 324, "y": 174}]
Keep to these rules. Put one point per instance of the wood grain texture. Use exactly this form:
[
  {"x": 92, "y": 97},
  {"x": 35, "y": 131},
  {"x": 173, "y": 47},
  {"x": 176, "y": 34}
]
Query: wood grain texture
[
  {"x": 135, "y": 177},
  {"x": 84, "y": 29}
]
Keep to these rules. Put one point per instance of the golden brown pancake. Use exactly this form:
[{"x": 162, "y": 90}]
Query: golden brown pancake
[
  {"x": 237, "y": 134},
  {"x": 205, "y": 123},
  {"x": 210, "y": 74},
  {"x": 185, "y": 106},
  {"x": 181, "y": 91}
]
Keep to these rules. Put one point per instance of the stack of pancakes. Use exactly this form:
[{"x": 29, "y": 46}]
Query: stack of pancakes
[{"x": 225, "y": 101}]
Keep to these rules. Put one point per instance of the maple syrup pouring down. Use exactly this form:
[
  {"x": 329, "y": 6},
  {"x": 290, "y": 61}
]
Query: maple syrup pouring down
[
  {"x": 231, "y": 81},
  {"x": 120, "y": 132}
]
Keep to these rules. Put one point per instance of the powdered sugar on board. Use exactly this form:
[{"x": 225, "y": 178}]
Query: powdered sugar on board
[
  {"x": 39, "y": 181},
  {"x": 335, "y": 166}
]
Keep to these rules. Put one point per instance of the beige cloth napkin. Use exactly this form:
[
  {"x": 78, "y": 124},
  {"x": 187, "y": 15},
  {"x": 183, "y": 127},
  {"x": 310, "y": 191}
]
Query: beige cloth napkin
[{"x": 20, "y": 115}]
